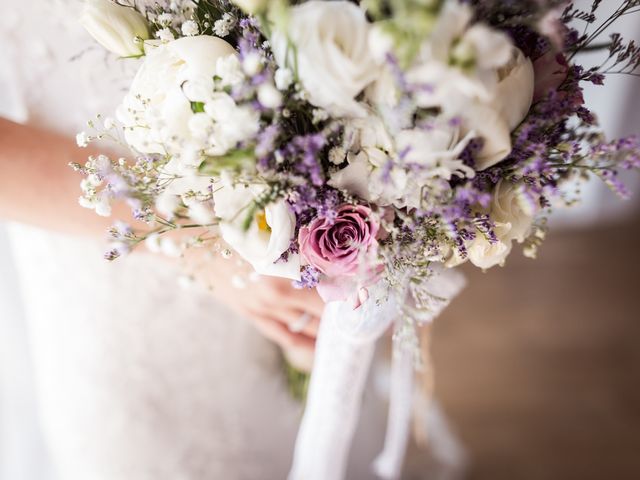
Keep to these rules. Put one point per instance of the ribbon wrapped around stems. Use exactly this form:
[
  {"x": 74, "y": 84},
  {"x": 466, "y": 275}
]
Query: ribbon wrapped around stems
[{"x": 344, "y": 351}]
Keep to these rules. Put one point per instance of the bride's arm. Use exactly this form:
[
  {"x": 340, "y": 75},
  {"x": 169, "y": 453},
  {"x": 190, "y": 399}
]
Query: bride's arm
[{"x": 37, "y": 187}]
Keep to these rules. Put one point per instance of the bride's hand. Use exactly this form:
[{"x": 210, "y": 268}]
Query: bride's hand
[{"x": 287, "y": 316}]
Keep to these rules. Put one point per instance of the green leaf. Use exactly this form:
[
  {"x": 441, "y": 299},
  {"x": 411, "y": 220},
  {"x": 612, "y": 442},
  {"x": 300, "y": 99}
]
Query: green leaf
[{"x": 197, "y": 107}]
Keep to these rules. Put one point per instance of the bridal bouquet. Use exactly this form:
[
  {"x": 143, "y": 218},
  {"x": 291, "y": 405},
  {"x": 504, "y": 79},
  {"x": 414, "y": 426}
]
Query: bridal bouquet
[{"x": 360, "y": 148}]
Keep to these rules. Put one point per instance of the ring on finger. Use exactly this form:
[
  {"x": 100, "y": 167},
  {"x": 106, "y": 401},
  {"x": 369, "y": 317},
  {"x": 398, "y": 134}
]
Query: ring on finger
[{"x": 300, "y": 324}]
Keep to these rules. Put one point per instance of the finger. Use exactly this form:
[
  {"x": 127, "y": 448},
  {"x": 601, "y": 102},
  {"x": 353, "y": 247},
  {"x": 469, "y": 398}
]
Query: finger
[
  {"x": 280, "y": 293},
  {"x": 280, "y": 334},
  {"x": 307, "y": 300},
  {"x": 292, "y": 318}
]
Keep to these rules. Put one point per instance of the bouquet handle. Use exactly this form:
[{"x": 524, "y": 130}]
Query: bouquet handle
[{"x": 344, "y": 352}]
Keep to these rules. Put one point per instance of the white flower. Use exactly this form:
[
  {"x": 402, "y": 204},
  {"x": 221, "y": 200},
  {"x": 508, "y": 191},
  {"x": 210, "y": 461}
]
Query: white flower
[
  {"x": 436, "y": 150},
  {"x": 164, "y": 18},
  {"x": 252, "y": 64},
  {"x": 270, "y": 230},
  {"x": 222, "y": 27},
  {"x": 514, "y": 93},
  {"x": 380, "y": 43},
  {"x": 484, "y": 254},
  {"x": 152, "y": 242},
  {"x": 513, "y": 218},
  {"x": 99, "y": 202},
  {"x": 495, "y": 119},
  {"x": 511, "y": 208},
  {"x": 332, "y": 55},
  {"x": 477, "y": 74},
  {"x": 434, "y": 156},
  {"x": 394, "y": 171},
  {"x": 229, "y": 70},
  {"x": 201, "y": 213},
  {"x": 165, "y": 34},
  {"x": 82, "y": 140},
  {"x": 367, "y": 174},
  {"x": 167, "y": 204},
  {"x": 109, "y": 123},
  {"x": 103, "y": 207},
  {"x": 460, "y": 61},
  {"x": 189, "y": 28},
  {"x": 337, "y": 155},
  {"x": 384, "y": 92},
  {"x": 363, "y": 179},
  {"x": 170, "y": 247},
  {"x": 184, "y": 185},
  {"x": 201, "y": 126},
  {"x": 269, "y": 96},
  {"x": 233, "y": 124},
  {"x": 156, "y": 112},
  {"x": 283, "y": 78},
  {"x": 117, "y": 28}
]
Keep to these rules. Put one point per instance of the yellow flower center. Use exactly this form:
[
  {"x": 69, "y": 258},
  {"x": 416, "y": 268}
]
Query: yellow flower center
[{"x": 261, "y": 220}]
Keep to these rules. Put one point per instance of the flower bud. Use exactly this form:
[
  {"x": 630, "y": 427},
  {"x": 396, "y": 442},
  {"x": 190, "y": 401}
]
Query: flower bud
[{"x": 117, "y": 28}]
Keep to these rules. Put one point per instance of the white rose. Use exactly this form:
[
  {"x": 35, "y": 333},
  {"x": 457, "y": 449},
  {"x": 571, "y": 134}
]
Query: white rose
[
  {"x": 514, "y": 93},
  {"x": 511, "y": 208},
  {"x": 331, "y": 53},
  {"x": 117, "y": 28},
  {"x": 508, "y": 107},
  {"x": 269, "y": 234},
  {"x": 156, "y": 113},
  {"x": 484, "y": 254},
  {"x": 513, "y": 218}
]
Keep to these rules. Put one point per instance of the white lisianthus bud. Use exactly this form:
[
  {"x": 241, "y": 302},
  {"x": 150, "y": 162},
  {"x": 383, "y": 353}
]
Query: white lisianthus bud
[
  {"x": 117, "y": 28},
  {"x": 252, "y": 6}
]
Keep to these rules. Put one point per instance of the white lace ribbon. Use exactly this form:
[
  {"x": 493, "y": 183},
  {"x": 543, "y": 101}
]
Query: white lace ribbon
[
  {"x": 388, "y": 465},
  {"x": 344, "y": 351}
]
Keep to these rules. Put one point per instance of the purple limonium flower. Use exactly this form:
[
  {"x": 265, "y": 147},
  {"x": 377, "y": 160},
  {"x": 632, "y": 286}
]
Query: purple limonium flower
[{"x": 309, "y": 278}]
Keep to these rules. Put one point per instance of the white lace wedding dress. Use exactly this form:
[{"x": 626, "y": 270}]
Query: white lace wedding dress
[{"x": 136, "y": 379}]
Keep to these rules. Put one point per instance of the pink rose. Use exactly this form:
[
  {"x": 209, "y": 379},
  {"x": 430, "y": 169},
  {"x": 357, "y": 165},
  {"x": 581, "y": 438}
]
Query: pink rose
[
  {"x": 551, "y": 70},
  {"x": 337, "y": 248}
]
